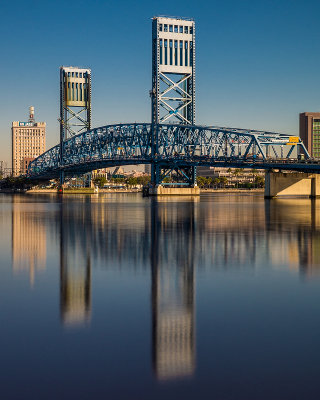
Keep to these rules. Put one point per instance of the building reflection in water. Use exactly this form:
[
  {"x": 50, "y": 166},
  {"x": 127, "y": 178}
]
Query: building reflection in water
[
  {"x": 28, "y": 238},
  {"x": 172, "y": 237},
  {"x": 293, "y": 231},
  {"x": 173, "y": 294},
  {"x": 75, "y": 268}
]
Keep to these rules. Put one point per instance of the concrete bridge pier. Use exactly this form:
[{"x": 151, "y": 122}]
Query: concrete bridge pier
[
  {"x": 160, "y": 190},
  {"x": 187, "y": 186},
  {"x": 291, "y": 184}
]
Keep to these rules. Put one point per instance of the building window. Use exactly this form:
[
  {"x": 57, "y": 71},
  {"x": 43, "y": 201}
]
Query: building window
[
  {"x": 170, "y": 28},
  {"x": 180, "y": 29},
  {"x": 175, "y": 52},
  {"x": 181, "y": 52},
  {"x": 185, "y": 29},
  {"x": 165, "y": 27},
  {"x": 171, "y": 50},
  {"x": 160, "y": 45},
  {"x": 160, "y": 27},
  {"x": 165, "y": 51},
  {"x": 186, "y": 53},
  {"x": 176, "y": 28},
  {"x": 191, "y": 30}
]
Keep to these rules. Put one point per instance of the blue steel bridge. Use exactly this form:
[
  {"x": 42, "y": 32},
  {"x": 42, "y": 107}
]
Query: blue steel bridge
[{"x": 168, "y": 148}]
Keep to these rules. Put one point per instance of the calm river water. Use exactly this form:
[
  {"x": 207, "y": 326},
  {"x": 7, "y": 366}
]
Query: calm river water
[{"x": 117, "y": 296}]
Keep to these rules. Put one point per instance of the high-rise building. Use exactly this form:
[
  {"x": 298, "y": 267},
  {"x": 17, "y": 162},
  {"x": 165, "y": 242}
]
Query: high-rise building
[
  {"x": 28, "y": 142},
  {"x": 310, "y": 132}
]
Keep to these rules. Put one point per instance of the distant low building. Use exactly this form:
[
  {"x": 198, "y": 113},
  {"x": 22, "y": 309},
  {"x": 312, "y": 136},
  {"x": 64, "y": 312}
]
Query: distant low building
[
  {"x": 28, "y": 142},
  {"x": 233, "y": 175}
]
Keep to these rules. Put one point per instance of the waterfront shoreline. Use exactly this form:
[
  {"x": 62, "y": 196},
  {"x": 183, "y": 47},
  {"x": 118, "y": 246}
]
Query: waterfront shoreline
[{"x": 202, "y": 191}]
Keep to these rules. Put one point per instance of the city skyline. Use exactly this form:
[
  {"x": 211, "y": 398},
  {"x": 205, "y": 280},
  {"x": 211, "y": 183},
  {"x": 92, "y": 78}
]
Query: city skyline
[{"x": 253, "y": 75}]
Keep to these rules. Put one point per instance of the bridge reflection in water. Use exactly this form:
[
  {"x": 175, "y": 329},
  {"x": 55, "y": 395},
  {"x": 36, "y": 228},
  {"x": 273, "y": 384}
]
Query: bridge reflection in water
[{"x": 169, "y": 239}]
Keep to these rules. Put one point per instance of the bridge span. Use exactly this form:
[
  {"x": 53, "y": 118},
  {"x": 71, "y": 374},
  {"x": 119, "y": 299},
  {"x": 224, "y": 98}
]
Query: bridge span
[{"x": 172, "y": 147}]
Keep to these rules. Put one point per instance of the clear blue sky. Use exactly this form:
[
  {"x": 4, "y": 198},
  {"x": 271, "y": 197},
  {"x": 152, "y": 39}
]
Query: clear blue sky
[{"x": 257, "y": 62}]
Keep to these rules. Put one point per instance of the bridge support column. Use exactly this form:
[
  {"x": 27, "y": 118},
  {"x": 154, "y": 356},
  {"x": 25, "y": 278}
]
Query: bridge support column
[
  {"x": 160, "y": 186},
  {"x": 293, "y": 184}
]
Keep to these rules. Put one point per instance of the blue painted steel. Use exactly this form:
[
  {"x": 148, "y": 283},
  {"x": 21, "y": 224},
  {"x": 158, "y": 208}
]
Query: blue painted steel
[{"x": 178, "y": 147}]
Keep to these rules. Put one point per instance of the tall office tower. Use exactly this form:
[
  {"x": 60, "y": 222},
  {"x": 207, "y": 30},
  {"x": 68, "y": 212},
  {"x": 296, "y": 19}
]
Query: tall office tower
[
  {"x": 310, "y": 132},
  {"x": 28, "y": 142},
  {"x": 173, "y": 71},
  {"x": 75, "y": 104}
]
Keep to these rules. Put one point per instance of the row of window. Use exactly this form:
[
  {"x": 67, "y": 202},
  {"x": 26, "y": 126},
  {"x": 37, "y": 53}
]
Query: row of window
[
  {"x": 31, "y": 131},
  {"x": 77, "y": 74},
  {"x": 28, "y": 149},
  {"x": 21, "y": 147},
  {"x": 77, "y": 91},
  {"x": 176, "y": 52},
  {"x": 176, "y": 28}
]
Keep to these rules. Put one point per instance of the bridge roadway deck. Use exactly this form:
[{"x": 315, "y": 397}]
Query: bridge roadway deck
[{"x": 308, "y": 166}]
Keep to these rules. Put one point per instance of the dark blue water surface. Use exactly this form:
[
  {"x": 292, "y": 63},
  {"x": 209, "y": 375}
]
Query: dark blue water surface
[{"x": 115, "y": 296}]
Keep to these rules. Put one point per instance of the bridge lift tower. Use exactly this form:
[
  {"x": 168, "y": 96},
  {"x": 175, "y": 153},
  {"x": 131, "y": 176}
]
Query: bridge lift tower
[
  {"x": 173, "y": 82},
  {"x": 75, "y": 105}
]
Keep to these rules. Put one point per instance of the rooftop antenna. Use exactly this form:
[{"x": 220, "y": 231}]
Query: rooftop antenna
[{"x": 31, "y": 114}]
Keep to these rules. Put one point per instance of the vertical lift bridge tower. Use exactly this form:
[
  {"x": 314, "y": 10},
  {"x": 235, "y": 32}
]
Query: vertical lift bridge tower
[
  {"x": 173, "y": 82},
  {"x": 75, "y": 105}
]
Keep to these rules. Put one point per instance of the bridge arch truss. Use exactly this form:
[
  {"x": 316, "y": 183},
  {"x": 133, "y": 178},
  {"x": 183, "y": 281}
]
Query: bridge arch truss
[{"x": 169, "y": 147}]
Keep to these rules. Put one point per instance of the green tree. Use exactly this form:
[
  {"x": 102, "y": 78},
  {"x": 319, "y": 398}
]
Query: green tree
[
  {"x": 223, "y": 181},
  {"x": 237, "y": 173},
  {"x": 99, "y": 181},
  {"x": 259, "y": 181},
  {"x": 201, "y": 181},
  {"x": 216, "y": 182},
  {"x": 118, "y": 180},
  {"x": 131, "y": 181},
  {"x": 143, "y": 180}
]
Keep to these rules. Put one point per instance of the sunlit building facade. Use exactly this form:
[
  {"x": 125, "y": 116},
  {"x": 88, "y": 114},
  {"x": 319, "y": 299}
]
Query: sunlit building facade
[
  {"x": 28, "y": 142},
  {"x": 310, "y": 132}
]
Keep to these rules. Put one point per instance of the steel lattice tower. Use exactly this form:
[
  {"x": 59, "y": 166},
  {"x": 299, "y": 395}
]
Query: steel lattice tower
[
  {"x": 75, "y": 105},
  {"x": 173, "y": 70},
  {"x": 173, "y": 85}
]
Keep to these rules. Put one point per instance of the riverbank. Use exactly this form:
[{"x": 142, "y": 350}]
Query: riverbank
[{"x": 80, "y": 191}]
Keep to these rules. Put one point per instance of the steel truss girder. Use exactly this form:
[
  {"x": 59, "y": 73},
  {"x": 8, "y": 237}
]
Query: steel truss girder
[{"x": 168, "y": 146}]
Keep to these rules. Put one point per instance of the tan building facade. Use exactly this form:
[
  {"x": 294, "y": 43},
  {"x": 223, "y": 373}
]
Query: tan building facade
[
  {"x": 28, "y": 142},
  {"x": 310, "y": 132}
]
